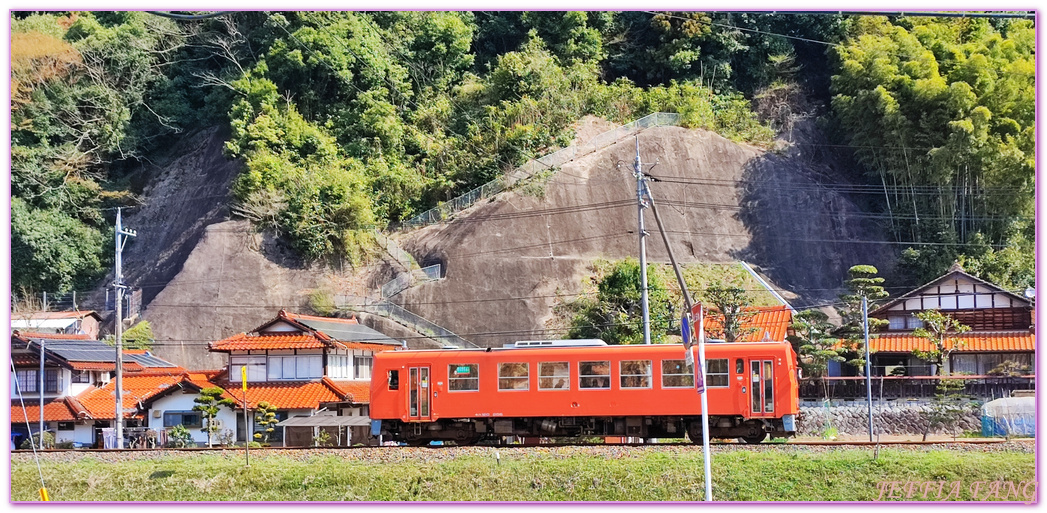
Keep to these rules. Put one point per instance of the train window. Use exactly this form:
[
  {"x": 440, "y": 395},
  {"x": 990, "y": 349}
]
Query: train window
[
  {"x": 394, "y": 380},
  {"x": 634, "y": 373},
  {"x": 554, "y": 376},
  {"x": 513, "y": 376},
  {"x": 594, "y": 374},
  {"x": 739, "y": 366},
  {"x": 716, "y": 373},
  {"x": 677, "y": 374},
  {"x": 462, "y": 377}
]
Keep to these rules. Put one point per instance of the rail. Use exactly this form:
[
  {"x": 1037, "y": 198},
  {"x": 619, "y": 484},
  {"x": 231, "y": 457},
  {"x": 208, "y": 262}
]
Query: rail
[{"x": 416, "y": 323}]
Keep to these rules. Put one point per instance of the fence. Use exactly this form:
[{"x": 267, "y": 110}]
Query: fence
[
  {"x": 79, "y": 301},
  {"x": 550, "y": 161},
  {"x": 916, "y": 387},
  {"x": 416, "y": 323},
  {"x": 406, "y": 280}
]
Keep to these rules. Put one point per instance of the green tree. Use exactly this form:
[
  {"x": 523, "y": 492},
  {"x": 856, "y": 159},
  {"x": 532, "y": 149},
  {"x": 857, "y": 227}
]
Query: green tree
[
  {"x": 814, "y": 345},
  {"x": 732, "y": 311},
  {"x": 265, "y": 417},
  {"x": 941, "y": 331},
  {"x": 208, "y": 405},
  {"x": 940, "y": 112},
  {"x": 616, "y": 315},
  {"x": 863, "y": 283}
]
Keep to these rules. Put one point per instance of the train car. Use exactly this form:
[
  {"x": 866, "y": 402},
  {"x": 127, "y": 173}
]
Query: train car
[{"x": 466, "y": 395}]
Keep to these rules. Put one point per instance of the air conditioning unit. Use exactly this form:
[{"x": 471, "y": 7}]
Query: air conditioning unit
[
  {"x": 216, "y": 423},
  {"x": 158, "y": 413}
]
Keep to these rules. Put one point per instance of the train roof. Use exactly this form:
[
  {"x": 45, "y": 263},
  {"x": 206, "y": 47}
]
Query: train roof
[{"x": 742, "y": 347}]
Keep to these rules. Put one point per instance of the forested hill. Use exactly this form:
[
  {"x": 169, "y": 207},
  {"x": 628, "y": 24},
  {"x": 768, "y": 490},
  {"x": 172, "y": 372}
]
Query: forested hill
[{"x": 346, "y": 121}]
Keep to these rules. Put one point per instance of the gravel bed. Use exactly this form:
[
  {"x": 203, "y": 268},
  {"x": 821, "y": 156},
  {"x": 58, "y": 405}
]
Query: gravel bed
[{"x": 444, "y": 454}]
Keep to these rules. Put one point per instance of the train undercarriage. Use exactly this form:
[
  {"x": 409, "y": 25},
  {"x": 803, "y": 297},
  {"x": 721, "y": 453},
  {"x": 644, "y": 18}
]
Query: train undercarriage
[{"x": 473, "y": 431}]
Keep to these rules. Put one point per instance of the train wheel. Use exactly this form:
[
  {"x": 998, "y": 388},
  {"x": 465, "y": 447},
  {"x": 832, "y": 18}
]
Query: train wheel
[{"x": 754, "y": 438}]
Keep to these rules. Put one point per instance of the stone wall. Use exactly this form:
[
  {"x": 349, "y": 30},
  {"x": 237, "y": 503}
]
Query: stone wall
[{"x": 888, "y": 419}]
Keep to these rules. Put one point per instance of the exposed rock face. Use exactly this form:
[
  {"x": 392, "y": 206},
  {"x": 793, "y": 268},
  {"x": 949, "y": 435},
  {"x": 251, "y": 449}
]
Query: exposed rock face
[
  {"x": 888, "y": 419},
  {"x": 506, "y": 260}
]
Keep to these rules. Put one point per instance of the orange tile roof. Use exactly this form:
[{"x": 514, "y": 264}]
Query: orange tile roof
[
  {"x": 369, "y": 347},
  {"x": 284, "y": 396},
  {"x": 25, "y": 335},
  {"x": 770, "y": 322},
  {"x": 62, "y": 315},
  {"x": 356, "y": 391},
  {"x": 55, "y": 410},
  {"x": 105, "y": 366},
  {"x": 972, "y": 342},
  {"x": 25, "y": 359},
  {"x": 101, "y": 402},
  {"x": 244, "y": 342}
]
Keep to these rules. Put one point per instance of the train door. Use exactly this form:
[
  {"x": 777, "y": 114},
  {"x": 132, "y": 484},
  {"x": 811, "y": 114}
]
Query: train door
[
  {"x": 761, "y": 387},
  {"x": 419, "y": 394}
]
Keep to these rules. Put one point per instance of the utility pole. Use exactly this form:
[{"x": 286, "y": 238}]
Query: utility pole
[
  {"x": 868, "y": 364},
  {"x": 41, "y": 444},
  {"x": 118, "y": 284},
  {"x": 640, "y": 205}
]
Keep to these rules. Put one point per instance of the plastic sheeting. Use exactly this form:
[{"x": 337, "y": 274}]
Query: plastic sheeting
[{"x": 1010, "y": 416}]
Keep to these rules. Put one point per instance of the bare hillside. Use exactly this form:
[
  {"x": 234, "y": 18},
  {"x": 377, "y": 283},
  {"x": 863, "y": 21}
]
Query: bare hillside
[
  {"x": 506, "y": 260},
  {"x": 206, "y": 277}
]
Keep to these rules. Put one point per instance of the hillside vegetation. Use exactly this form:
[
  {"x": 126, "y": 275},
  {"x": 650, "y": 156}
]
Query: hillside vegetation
[{"x": 346, "y": 121}]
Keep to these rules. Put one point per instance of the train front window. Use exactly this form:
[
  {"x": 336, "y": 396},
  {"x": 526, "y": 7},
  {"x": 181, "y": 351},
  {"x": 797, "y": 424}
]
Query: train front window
[
  {"x": 554, "y": 376},
  {"x": 513, "y": 376},
  {"x": 463, "y": 377},
  {"x": 394, "y": 380},
  {"x": 594, "y": 374},
  {"x": 677, "y": 374},
  {"x": 634, "y": 373},
  {"x": 716, "y": 374}
]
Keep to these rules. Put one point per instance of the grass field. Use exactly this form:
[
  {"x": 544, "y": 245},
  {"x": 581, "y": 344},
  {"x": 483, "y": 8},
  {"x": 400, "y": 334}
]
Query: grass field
[{"x": 542, "y": 474}]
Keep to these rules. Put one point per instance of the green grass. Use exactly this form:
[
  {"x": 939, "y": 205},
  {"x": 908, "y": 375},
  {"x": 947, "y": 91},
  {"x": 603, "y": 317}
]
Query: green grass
[{"x": 551, "y": 474}]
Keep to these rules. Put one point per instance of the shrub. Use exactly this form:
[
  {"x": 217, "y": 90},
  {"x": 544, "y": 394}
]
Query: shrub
[
  {"x": 179, "y": 436},
  {"x": 34, "y": 441}
]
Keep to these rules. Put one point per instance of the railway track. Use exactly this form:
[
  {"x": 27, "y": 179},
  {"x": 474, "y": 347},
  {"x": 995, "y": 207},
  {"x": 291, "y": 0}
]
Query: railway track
[{"x": 793, "y": 443}]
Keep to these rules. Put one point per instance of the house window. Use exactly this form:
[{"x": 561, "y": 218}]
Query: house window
[
  {"x": 634, "y": 373},
  {"x": 911, "y": 322},
  {"x": 81, "y": 376},
  {"x": 716, "y": 374},
  {"x": 275, "y": 436},
  {"x": 52, "y": 384},
  {"x": 513, "y": 376},
  {"x": 362, "y": 366},
  {"x": 338, "y": 366},
  {"x": 295, "y": 367},
  {"x": 594, "y": 374},
  {"x": 554, "y": 376},
  {"x": 66, "y": 426},
  {"x": 187, "y": 419},
  {"x": 897, "y": 322},
  {"x": 463, "y": 377},
  {"x": 27, "y": 380},
  {"x": 255, "y": 368},
  {"x": 677, "y": 374}
]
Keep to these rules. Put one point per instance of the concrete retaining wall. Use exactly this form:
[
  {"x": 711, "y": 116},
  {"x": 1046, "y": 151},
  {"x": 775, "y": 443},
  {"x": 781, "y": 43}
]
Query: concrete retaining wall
[{"x": 888, "y": 419}]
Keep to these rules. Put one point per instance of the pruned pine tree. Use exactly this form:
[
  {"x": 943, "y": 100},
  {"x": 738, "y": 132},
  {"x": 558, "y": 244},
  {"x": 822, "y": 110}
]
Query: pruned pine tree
[{"x": 208, "y": 404}]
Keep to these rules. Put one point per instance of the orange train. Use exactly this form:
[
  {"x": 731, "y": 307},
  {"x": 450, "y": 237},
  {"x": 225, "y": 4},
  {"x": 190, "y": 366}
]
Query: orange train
[{"x": 582, "y": 388}]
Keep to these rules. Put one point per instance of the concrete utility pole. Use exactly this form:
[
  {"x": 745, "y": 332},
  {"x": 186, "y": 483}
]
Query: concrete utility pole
[
  {"x": 118, "y": 284},
  {"x": 41, "y": 341},
  {"x": 868, "y": 364},
  {"x": 640, "y": 205}
]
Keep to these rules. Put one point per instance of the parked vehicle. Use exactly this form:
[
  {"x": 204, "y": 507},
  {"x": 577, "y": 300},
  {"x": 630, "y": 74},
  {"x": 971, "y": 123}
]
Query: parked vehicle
[{"x": 468, "y": 395}]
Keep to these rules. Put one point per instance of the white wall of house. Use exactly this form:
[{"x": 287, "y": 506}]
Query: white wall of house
[{"x": 183, "y": 402}]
